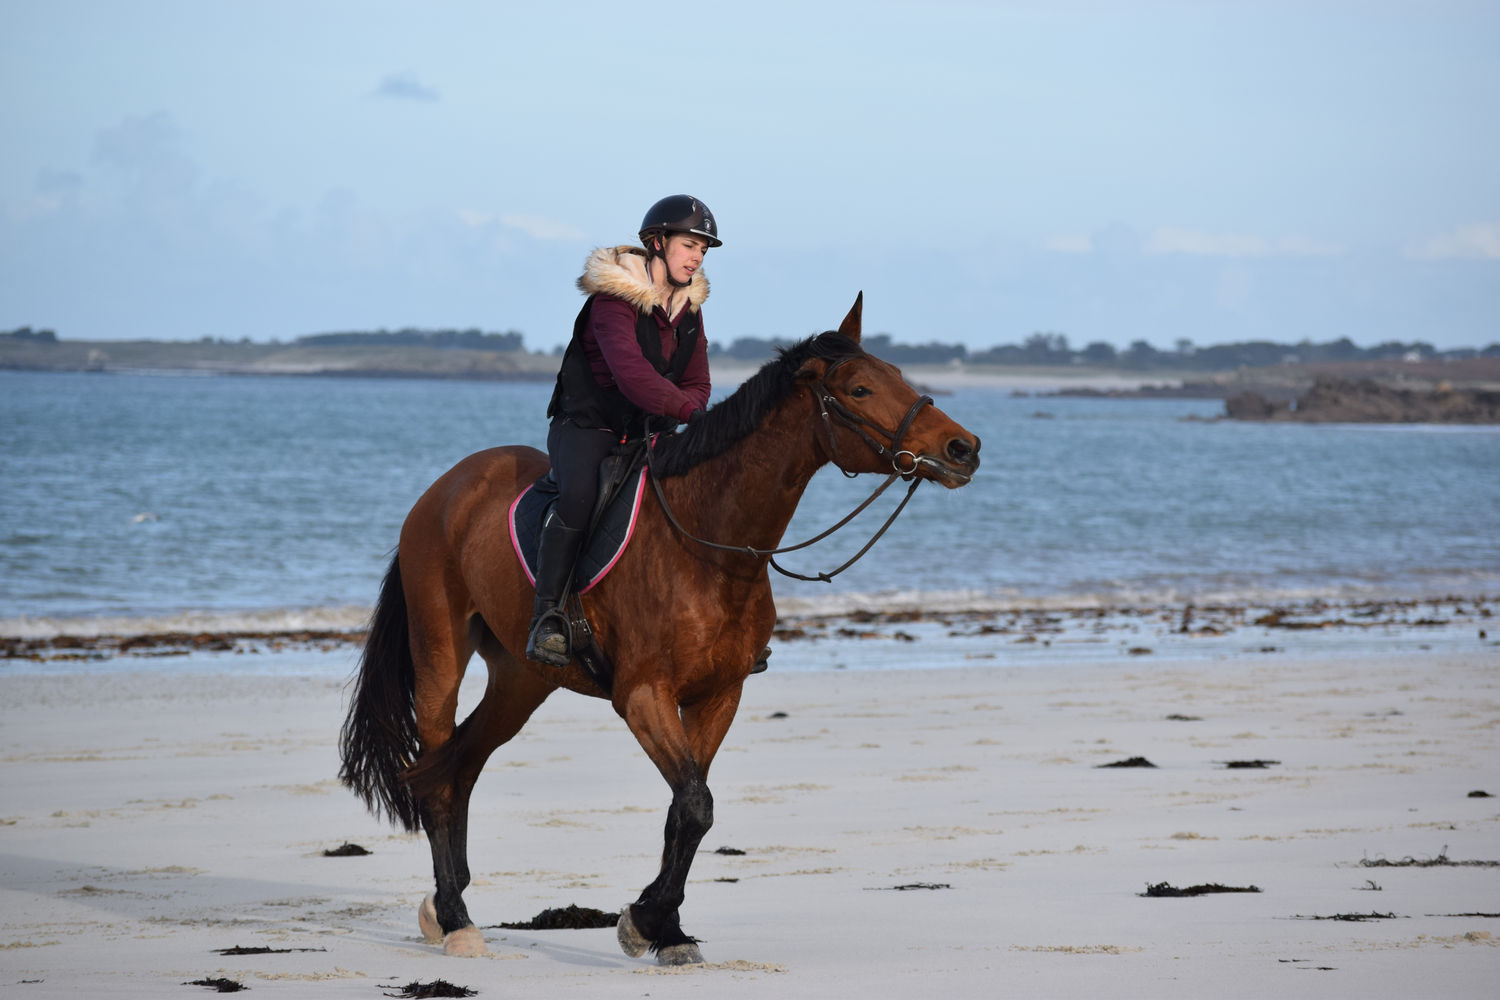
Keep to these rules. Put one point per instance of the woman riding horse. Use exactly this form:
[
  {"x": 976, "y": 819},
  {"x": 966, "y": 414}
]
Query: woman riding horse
[
  {"x": 456, "y": 588},
  {"x": 638, "y": 351}
]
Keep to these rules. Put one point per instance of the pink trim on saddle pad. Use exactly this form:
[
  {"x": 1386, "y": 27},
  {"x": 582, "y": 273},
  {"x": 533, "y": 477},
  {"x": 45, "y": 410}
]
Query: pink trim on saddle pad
[
  {"x": 635, "y": 512},
  {"x": 515, "y": 543}
]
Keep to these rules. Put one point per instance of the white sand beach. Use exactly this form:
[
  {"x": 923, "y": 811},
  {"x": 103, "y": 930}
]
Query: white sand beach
[{"x": 906, "y": 833}]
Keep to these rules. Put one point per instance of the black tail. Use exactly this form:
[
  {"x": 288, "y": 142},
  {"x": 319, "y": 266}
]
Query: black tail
[{"x": 379, "y": 738}]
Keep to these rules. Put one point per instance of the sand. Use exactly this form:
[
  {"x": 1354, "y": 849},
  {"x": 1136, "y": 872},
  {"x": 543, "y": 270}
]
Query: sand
[{"x": 906, "y": 833}]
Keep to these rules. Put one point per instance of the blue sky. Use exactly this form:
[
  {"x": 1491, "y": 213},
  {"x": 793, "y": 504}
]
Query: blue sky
[{"x": 1156, "y": 170}]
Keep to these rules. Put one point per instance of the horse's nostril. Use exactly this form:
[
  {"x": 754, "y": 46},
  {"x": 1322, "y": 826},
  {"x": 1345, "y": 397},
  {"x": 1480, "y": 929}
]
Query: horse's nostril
[{"x": 960, "y": 450}]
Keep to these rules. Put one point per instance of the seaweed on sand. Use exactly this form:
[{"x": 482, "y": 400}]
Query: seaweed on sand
[
  {"x": 1441, "y": 861},
  {"x": 1163, "y": 890},
  {"x": 437, "y": 988},
  {"x": 1129, "y": 762},
  {"x": 219, "y": 985},
  {"x": 566, "y": 918},
  {"x": 346, "y": 850},
  {"x": 908, "y": 887}
]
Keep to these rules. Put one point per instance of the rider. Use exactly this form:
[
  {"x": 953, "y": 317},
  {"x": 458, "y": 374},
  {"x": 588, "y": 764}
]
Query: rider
[{"x": 637, "y": 351}]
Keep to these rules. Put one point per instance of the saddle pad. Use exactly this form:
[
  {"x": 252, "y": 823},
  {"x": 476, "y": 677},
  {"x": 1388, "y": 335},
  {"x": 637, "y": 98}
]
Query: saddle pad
[{"x": 605, "y": 545}]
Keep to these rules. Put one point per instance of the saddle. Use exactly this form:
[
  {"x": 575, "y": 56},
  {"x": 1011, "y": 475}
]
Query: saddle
[{"x": 622, "y": 480}]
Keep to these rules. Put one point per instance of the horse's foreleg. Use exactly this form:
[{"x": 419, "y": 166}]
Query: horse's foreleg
[
  {"x": 652, "y": 920},
  {"x": 681, "y": 744}
]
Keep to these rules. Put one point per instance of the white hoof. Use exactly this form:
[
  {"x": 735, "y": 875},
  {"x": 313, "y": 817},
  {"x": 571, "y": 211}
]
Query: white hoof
[
  {"x": 427, "y": 919},
  {"x": 680, "y": 954},
  {"x": 466, "y": 942},
  {"x": 632, "y": 942}
]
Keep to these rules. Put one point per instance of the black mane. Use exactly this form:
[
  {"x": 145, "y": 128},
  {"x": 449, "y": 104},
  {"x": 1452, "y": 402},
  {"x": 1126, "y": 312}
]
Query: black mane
[{"x": 731, "y": 420}]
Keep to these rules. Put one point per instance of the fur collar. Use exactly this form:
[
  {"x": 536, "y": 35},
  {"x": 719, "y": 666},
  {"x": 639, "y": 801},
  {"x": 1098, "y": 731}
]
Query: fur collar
[{"x": 621, "y": 272}]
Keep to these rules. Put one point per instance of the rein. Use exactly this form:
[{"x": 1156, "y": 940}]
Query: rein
[{"x": 829, "y": 408}]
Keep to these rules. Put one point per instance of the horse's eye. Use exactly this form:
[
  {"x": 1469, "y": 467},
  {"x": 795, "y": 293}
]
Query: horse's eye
[{"x": 860, "y": 392}]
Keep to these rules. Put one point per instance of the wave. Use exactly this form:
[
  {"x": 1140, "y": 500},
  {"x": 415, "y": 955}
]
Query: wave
[
  {"x": 1446, "y": 586},
  {"x": 1475, "y": 588},
  {"x": 325, "y": 619}
]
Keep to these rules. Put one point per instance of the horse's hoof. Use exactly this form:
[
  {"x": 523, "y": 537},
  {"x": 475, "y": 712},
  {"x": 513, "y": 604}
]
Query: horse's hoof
[
  {"x": 632, "y": 942},
  {"x": 466, "y": 942},
  {"x": 680, "y": 954},
  {"x": 427, "y": 919}
]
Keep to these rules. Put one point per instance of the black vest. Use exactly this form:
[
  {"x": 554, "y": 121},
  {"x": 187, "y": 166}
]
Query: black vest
[{"x": 579, "y": 397}]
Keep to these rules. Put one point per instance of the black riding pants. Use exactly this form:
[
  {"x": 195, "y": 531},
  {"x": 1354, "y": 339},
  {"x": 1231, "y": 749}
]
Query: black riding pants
[{"x": 576, "y": 453}]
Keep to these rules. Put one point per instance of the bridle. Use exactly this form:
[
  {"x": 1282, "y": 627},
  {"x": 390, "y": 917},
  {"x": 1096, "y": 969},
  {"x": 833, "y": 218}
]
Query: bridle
[{"x": 830, "y": 410}]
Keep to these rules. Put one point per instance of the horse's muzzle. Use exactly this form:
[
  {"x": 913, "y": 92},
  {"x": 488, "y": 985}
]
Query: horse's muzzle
[{"x": 957, "y": 466}]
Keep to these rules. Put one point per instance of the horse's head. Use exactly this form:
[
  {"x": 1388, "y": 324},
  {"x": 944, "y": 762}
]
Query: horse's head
[{"x": 875, "y": 422}]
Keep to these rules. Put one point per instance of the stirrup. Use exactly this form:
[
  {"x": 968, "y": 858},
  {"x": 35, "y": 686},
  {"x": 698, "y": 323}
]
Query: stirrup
[{"x": 539, "y": 645}]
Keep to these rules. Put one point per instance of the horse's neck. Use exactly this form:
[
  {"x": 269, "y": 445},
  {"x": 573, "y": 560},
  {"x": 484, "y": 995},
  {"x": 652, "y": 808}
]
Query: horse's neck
[{"x": 747, "y": 495}]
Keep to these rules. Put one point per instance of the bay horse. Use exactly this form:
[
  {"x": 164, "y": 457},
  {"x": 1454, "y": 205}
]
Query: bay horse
[{"x": 683, "y": 622}]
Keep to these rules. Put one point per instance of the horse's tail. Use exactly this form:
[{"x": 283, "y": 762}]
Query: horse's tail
[{"x": 379, "y": 738}]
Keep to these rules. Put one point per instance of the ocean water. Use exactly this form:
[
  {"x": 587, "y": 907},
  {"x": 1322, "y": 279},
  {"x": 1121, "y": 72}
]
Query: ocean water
[{"x": 147, "y": 501}]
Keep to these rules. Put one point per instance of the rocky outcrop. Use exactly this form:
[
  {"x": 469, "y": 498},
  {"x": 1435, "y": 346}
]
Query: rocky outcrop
[
  {"x": 1336, "y": 400},
  {"x": 1253, "y": 406}
]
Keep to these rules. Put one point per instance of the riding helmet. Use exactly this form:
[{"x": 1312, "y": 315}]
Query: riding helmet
[{"x": 680, "y": 213}]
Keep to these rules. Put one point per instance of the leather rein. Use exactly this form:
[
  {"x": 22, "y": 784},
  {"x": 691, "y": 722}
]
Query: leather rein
[{"x": 830, "y": 409}]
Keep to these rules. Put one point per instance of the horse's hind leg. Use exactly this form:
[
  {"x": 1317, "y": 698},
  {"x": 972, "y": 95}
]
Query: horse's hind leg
[{"x": 443, "y": 781}]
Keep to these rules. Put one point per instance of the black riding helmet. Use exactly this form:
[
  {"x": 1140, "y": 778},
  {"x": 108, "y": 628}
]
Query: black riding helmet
[{"x": 680, "y": 213}]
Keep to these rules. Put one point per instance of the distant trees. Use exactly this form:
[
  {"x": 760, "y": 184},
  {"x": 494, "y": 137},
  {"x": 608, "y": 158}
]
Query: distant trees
[
  {"x": 1051, "y": 348},
  {"x": 471, "y": 339},
  {"x": 27, "y": 333},
  {"x": 931, "y": 353},
  {"x": 1047, "y": 347},
  {"x": 755, "y": 349}
]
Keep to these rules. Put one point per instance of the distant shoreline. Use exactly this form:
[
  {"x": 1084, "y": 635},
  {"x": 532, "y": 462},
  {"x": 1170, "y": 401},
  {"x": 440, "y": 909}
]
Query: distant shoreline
[
  {"x": 1121, "y": 630},
  {"x": 409, "y": 361}
]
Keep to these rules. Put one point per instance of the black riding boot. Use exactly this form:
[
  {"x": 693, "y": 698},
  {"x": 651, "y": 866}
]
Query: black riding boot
[{"x": 556, "y": 553}]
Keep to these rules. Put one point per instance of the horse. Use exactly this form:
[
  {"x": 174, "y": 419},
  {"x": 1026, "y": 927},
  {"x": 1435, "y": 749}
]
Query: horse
[{"x": 683, "y": 620}]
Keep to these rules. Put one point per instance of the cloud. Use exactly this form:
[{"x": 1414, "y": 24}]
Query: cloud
[
  {"x": 54, "y": 181},
  {"x": 405, "y": 87},
  {"x": 1069, "y": 243},
  {"x": 1196, "y": 243},
  {"x": 142, "y": 144},
  {"x": 142, "y": 165},
  {"x": 1475, "y": 241},
  {"x": 1116, "y": 240},
  {"x": 538, "y": 227}
]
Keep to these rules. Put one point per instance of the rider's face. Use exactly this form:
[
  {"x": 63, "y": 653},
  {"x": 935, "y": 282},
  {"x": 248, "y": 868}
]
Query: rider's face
[{"x": 684, "y": 256}]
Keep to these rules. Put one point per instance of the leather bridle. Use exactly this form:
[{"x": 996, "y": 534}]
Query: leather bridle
[{"x": 830, "y": 410}]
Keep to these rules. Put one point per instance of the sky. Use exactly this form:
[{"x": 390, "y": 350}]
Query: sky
[{"x": 1154, "y": 170}]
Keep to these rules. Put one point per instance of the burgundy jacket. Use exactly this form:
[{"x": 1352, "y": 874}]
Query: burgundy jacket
[{"x": 617, "y": 277}]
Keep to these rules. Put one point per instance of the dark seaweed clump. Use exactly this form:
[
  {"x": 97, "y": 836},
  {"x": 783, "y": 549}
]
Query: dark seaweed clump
[
  {"x": 566, "y": 918},
  {"x": 1129, "y": 762},
  {"x": 436, "y": 988},
  {"x": 1163, "y": 890},
  {"x": 1441, "y": 861},
  {"x": 346, "y": 850}
]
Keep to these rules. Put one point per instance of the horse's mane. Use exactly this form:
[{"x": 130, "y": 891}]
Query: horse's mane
[{"x": 731, "y": 420}]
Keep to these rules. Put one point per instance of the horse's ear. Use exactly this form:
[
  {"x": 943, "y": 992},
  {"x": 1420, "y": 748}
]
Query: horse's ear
[{"x": 850, "y": 326}]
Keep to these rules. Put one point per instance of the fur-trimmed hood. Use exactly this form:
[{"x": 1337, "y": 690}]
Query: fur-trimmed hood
[{"x": 621, "y": 272}]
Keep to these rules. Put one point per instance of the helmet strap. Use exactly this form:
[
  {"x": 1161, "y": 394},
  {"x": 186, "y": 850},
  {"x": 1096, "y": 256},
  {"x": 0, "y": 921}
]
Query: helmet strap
[{"x": 652, "y": 253}]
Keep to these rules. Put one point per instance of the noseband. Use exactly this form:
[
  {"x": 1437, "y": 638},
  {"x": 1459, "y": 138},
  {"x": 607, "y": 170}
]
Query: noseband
[{"x": 830, "y": 409}]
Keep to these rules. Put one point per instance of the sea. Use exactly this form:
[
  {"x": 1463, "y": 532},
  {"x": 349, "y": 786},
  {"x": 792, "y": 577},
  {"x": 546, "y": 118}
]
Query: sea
[{"x": 143, "y": 503}]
